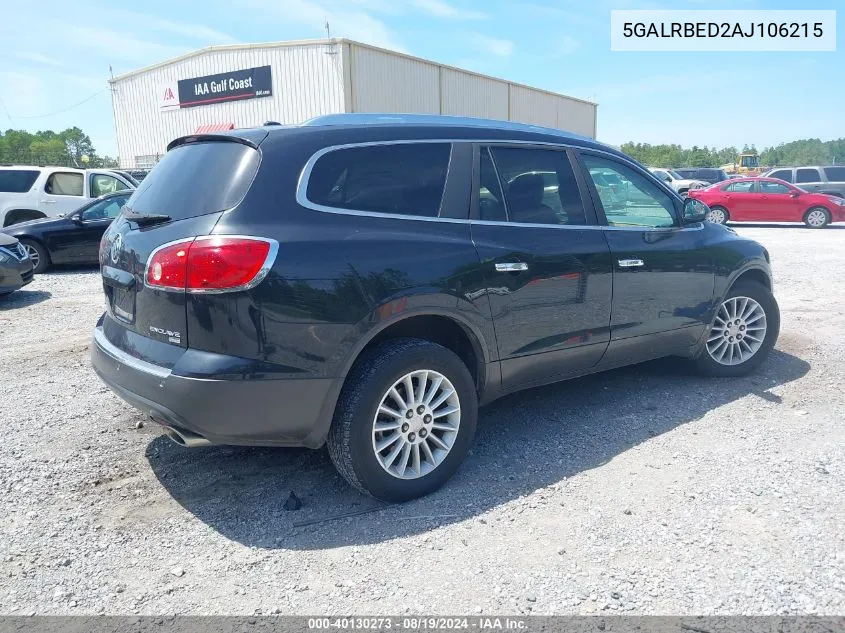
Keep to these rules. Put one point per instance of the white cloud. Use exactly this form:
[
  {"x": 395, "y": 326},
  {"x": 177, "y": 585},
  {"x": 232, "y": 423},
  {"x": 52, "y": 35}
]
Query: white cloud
[
  {"x": 38, "y": 58},
  {"x": 441, "y": 9},
  {"x": 355, "y": 24},
  {"x": 113, "y": 44},
  {"x": 566, "y": 46},
  {"x": 186, "y": 29},
  {"x": 491, "y": 45}
]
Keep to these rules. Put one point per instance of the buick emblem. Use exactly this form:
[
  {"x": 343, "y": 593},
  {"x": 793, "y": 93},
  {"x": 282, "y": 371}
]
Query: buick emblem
[{"x": 116, "y": 248}]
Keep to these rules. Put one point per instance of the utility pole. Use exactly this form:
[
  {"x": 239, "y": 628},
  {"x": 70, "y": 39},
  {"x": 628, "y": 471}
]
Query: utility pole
[{"x": 328, "y": 31}]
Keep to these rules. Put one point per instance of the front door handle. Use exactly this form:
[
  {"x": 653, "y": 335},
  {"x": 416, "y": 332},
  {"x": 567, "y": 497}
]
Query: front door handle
[
  {"x": 511, "y": 267},
  {"x": 631, "y": 263}
]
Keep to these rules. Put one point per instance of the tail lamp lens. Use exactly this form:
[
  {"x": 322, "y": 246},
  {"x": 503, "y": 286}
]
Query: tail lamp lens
[{"x": 217, "y": 263}]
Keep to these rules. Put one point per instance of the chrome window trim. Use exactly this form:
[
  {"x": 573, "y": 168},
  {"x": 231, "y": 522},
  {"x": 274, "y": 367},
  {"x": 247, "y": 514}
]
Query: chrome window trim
[{"x": 304, "y": 176}]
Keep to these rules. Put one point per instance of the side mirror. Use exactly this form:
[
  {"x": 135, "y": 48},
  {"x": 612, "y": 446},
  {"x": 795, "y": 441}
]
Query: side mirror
[
  {"x": 794, "y": 194},
  {"x": 76, "y": 218},
  {"x": 694, "y": 211}
]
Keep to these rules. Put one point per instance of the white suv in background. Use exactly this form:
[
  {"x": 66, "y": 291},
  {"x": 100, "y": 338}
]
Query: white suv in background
[
  {"x": 30, "y": 193},
  {"x": 677, "y": 182}
]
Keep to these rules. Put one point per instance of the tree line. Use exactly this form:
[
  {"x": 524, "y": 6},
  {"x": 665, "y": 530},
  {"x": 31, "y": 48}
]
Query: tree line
[
  {"x": 70, "y": 148},
  {"x": 811, "y": 151}
]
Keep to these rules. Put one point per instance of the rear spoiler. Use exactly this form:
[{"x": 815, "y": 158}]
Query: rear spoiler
[{"x": 251, "y": 138}]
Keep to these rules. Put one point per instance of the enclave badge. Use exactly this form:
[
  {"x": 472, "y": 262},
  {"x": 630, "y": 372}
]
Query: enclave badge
[{"x": 116, "y": 247}]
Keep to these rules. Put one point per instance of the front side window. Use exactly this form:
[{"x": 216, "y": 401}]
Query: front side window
[
  {"x": 628, "y": 197},
  {"x": 773, "y": 187},
  {"x": 782, "y": 174},
  {"x": 807, "y": 175},
  {"x": 404, "y": 179},
  {"x": 539, "y": 186},
  {"x": 104, "y": 209},
  {"x": 102, "y": 184},
  {"x": 64, "y": 184},
  {"x": 743, "y": 186}
]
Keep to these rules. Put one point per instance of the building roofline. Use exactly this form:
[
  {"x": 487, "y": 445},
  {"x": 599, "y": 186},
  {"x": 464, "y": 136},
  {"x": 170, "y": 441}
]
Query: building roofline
[{"x": 327, "y": 42}]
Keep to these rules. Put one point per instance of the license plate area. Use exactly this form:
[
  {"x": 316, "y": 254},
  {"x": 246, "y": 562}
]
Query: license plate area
[{"x": 121, "y": 303}]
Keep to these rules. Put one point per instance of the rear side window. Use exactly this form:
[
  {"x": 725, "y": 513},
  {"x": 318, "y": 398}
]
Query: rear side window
[
  {"x": 403, "y": 179},
  {"x": 197, "y": 178},
  {"x": 782, "y": 174},
  {"x": 807, "y": 175},
  {"x": 17, "y": 180},
  {"x": 64, "y": 184},
  {"x": 539, "y": 186},
  {"x": 835, "y": 174},
  {"x": 743, "y": 186}
]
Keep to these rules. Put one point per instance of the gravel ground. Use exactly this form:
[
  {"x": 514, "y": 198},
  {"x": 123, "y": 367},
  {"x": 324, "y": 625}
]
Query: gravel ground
[{"x": 641, "y": 491}]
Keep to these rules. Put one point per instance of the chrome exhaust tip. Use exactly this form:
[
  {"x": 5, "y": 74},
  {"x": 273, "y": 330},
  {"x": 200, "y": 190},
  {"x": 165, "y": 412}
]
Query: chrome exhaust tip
[{"x": 186, "y": 438}]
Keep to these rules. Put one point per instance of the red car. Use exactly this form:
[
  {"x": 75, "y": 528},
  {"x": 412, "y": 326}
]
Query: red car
[{"x": 768, "y": 200}]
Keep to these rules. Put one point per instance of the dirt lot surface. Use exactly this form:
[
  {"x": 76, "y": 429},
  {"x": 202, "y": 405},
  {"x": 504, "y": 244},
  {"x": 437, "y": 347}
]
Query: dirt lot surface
[{"x": 645, "y": 490}]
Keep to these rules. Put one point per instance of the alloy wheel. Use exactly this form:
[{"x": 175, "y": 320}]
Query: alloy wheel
[
  {"x": 416, "y": 424},
  {"x": 33, "y": 255},
  {"x": 716, "y": 216},
  {"x": 738, "y": 331},
  {"x": 816, "y": 218}
]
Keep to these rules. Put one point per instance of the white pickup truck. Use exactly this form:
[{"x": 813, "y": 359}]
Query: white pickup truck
[
  {"x": 677, "y": 182},
  {"x": 30, "y": 193}
]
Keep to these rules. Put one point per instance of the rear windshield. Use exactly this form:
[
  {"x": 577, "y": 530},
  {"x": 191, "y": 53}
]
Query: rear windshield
[
  {"x": 17, "y": 180},
  {"x": 196, "y": 179}
]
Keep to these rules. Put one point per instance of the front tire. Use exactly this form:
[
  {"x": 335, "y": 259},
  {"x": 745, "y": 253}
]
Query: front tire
[
  {"x": 743, "y": 332},
  {"x": 404, "y": 420},
  {"x": 817, "y": 218},
  {"x": 718, "y": 215},
  {"x": 38, "y": 254}
]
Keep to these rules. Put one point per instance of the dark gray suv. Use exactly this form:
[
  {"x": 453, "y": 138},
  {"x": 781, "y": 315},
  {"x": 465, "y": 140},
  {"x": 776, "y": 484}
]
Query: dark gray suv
[{"x": 829, "y": 180}]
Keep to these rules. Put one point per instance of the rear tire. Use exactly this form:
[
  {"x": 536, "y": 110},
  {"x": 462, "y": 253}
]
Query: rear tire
[
  {"x": 817, "y": 218},
  {"x": 748, "y": 307},
  {"x": 718, "y": 215},
  {"x": 38, "y": 254},
  {"x": 355, "y": 433}
]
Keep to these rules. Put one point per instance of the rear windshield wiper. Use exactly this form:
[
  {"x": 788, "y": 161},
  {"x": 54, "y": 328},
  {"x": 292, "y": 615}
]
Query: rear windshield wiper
[{"x": 146, "y": 219}]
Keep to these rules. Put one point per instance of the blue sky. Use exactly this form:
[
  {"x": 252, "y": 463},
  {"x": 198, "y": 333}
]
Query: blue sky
[{"x": 54, "y": 55}]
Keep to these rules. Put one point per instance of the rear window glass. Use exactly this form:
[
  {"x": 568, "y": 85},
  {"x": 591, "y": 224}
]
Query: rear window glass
[
  {"x": 17, "y": 180},
  {"x": 835, "y": 174},
  {"x": 196, "y": 179},
  {"x": 404, "y": 179}
]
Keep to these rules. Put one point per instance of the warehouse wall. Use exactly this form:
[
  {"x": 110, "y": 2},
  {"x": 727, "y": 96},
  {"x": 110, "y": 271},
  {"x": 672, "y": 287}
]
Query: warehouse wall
[
  {"x": 307, "y": 82},
  {"x": 383, "y": 81}
]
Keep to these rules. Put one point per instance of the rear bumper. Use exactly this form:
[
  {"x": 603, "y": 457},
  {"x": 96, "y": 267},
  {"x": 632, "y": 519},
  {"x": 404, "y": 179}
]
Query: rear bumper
[{"x": 262, "y": 412}]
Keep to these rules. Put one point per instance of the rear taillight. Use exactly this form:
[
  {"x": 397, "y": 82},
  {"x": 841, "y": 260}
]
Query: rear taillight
[{"x": 215, "y": 263}]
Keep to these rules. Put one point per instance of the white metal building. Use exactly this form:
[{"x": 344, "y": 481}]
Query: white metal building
[{"x": 239, "y": 86}]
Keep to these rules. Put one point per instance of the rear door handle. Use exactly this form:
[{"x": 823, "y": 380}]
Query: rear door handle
[
  {"x": 47, "y": 201},
  {"x": 631, "y": 263},
  {"x": 511, "y": 267}
]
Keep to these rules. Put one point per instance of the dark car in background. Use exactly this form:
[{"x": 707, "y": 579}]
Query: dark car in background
[
  {"x": 829, "y": 180},
  {"x": 72, "y": 239},
  {"x": 706, "y": 174},
  {"x": 334, "y": 283},
  {"x": 15, "y": 267}
]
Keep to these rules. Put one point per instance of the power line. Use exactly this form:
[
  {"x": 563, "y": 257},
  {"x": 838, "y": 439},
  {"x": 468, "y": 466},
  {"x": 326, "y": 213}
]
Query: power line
[
  {"x": 6, "y": 110},
  {"x": 44, "y": 116}
]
